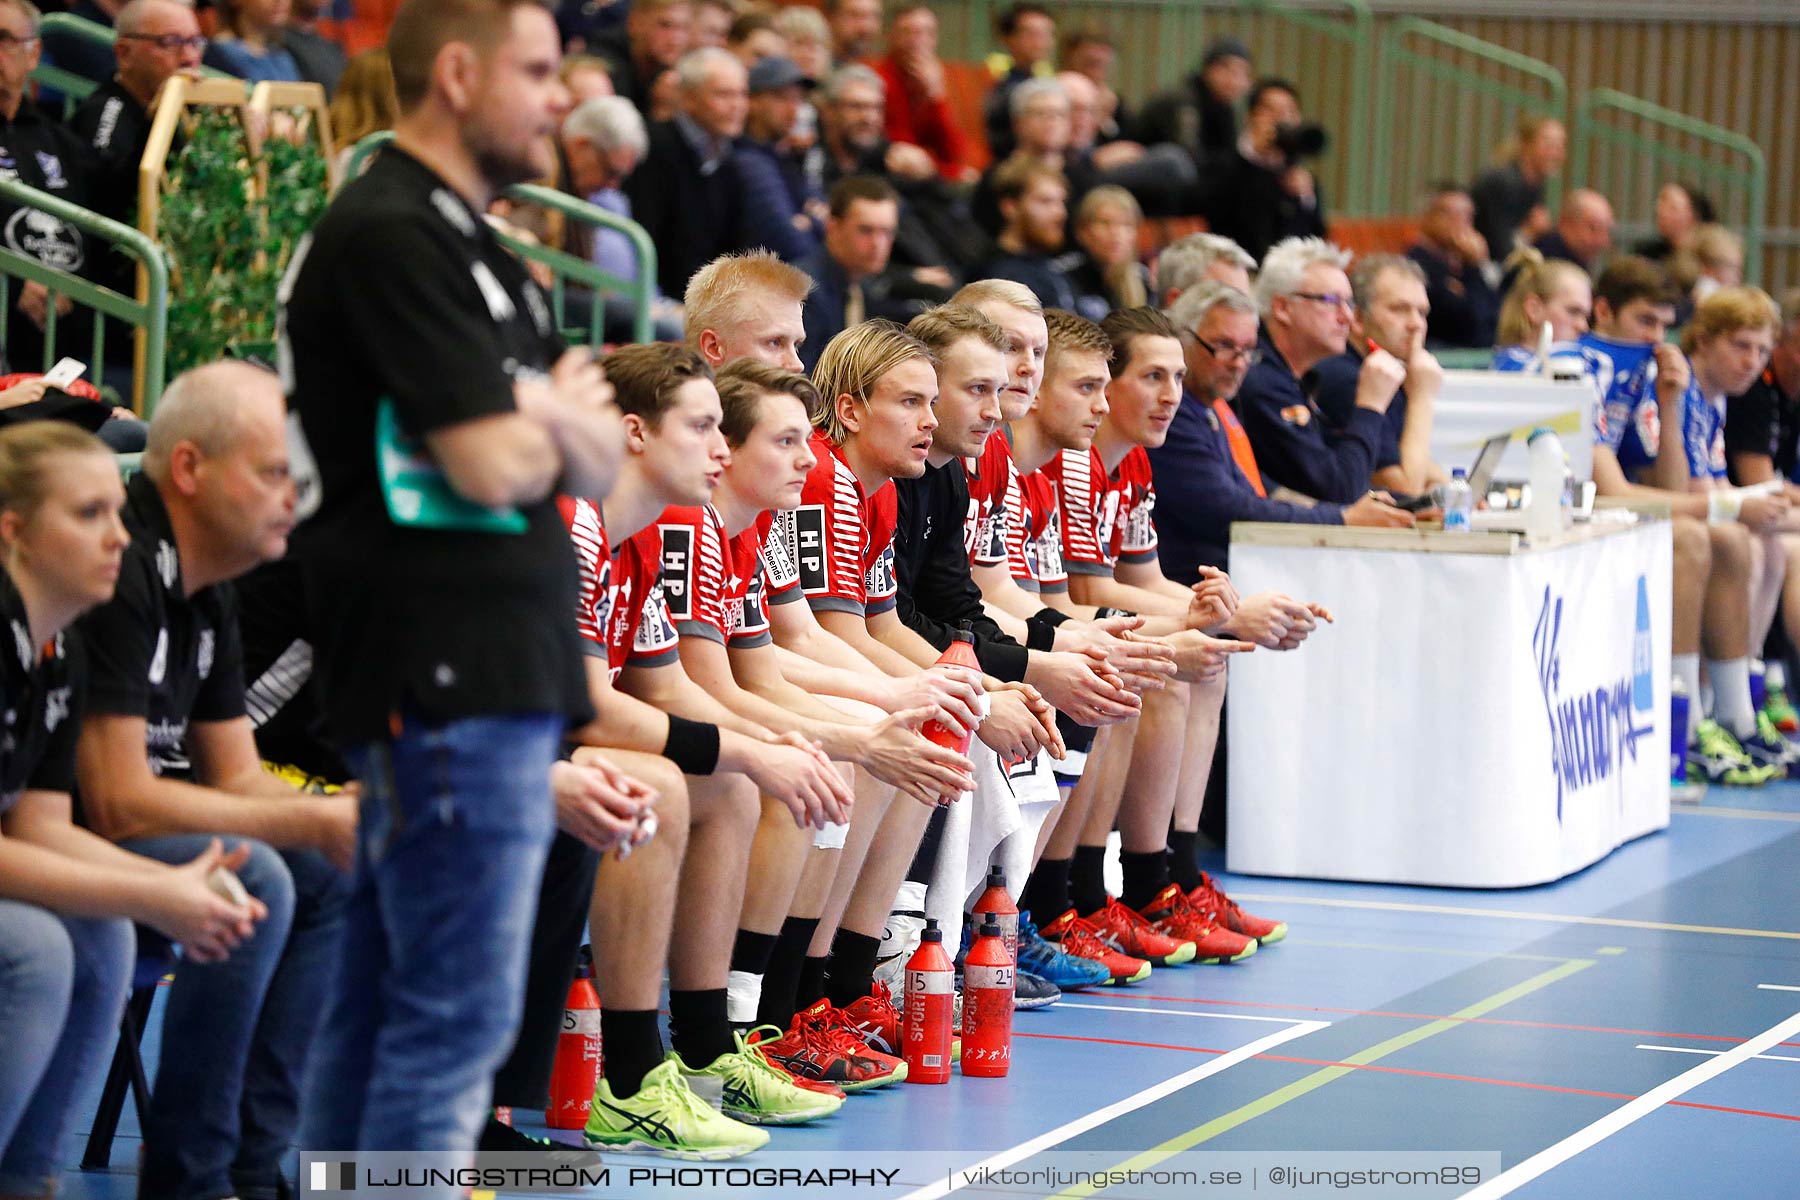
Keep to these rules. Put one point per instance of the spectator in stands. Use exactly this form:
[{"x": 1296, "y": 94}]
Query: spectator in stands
[
  {"x": 74, "y": 53},
  {"x": 808, "y": 39},
  {"x": 364, "y": 102},
  {"x": 918, "y": 107},
  {"x": 1187, "y": 262},
  {"x": 1161, "y": 177},
  {"x": 1558, "y": 294},
  {"x": 1509, "y": 198},
  {"x": 1028, "y": 33},
  {"x": 1392, "y": 313},
  {"x": 691, "y": 157},
  {"x": 712, "y": 23},
  {"x": 1033, "y": 200},
  {"x": 657, "y": 34},
  {"x": 320, "y": 58},
  {"x": 859, "y": 238},
  {"x": 855, "y": 29},
  {"x": 753, "y": 37},
  {"x": 1583, "y": 232},
  {"x": 1680, "y": 210},
  {"x": 780, "y": 211},
  {"x": 1306, "y": 305},
  {"x": 1262, "y": 194},
  {"x": 251, "y": 42},
  {"x": 1201, "y": 116},
  {"x": 1464, "y": 304},
  {"x": 1090, "y": 53},
  {"x": 1043, "y": 126},
  {"x": 1104, "y": 270},
  {"x": 167, "y": 762},
  {"x": 1712, "y": 258},
  {"x": 587, "y": 78},
  {"x": 1206, "y": 472},
  {"x": 1762, "y": 422},
  {"x": 747, "y": 306}
]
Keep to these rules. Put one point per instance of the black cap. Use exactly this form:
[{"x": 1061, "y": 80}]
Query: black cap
[
  {"x": 965, "y": 632},
  {"x": 771, "y": 73},
  {"x": 1221, "y": 49},
  {"x": 931, "y": 933},
  {"x": 996, "y": 877},
  {"x": 990, "y": 925}
]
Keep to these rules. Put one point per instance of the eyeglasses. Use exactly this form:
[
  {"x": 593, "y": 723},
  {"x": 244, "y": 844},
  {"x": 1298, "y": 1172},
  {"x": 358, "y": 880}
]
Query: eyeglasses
[
  {"x": 167, "y": 41},
  {"x": 12, "y": 41},
  {"x": 1248, "y": 355},
  {"x": 1328, "y": 299}
]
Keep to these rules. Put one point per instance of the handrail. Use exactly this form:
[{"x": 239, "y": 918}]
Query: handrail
[
  {"x": 563, "y": 265},
  {"x": 150, "y": 315},
  {"x": 1395, "y": 52}
]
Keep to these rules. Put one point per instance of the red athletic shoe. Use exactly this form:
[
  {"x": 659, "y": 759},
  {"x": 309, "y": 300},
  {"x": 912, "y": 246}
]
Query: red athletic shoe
[
  {"x": 800, "y": 1081},
  {"x": 1082, "y": 939},
  {"x": 817, "y": 1046},
  {"x": 1208, "y": 898},
  {"x": 1127, "y": 932},
  {"x": 1172, "y": 913},
  {"x": 874, "y": 1019}
]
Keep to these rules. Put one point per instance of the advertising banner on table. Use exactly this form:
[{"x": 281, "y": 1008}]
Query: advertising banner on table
[{"x": 1475, "y": 720}]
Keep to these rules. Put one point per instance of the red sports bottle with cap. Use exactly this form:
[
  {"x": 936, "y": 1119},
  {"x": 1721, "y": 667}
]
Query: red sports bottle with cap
[
  {"x": 961, "y": 653},
  {"x": 929, "y": 1000},
  {"x": 987, "y": 1005},
  {"x": 578, "y": 1062},
  {"x": 998, "y": 902}
]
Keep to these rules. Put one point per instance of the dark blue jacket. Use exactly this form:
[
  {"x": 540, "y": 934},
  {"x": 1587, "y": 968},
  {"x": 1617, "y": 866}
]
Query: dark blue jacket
[
  {"x": 823, "y": 313},
  {"x": 1295, "y": 444},
  {"x": 1464, "y": 305},
  {"x": 770, "y": 200},
  {"x": 1335, "y": 394},
  {"x": 1200, "y": 491}
]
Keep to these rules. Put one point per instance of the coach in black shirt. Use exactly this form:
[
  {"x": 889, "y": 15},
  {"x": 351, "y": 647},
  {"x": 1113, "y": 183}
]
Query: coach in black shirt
[
  {"x": 442, "y": 415},
  {"x": 1762, "y": 426}
]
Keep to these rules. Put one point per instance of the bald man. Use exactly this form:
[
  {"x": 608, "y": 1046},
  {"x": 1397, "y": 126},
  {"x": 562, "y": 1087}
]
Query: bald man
[
  {"x": 166, "y": 762},
  {"x": 1584, "y": 229}
]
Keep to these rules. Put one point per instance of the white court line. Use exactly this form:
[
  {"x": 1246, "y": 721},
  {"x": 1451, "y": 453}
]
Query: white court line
[
  {"x": 1131, "y": 1103},
  {"x": 1778, "y": 987},
  {"x": 1692, "y": 1050},
  {"x": 1551, "y": 1157},
  {"x": 1174, "y": 1012}
]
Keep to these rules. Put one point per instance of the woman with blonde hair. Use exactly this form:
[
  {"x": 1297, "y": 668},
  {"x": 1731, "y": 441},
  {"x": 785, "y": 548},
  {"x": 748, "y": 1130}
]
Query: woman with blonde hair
[
  {"x": 364, "y": 102},
  {"x": 1549, "y": 293},
  {"x": 1713, "y": 258}
]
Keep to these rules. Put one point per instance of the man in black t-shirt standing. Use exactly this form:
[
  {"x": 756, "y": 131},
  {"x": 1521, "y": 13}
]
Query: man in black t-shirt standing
[{"x": 436, "y": 401}]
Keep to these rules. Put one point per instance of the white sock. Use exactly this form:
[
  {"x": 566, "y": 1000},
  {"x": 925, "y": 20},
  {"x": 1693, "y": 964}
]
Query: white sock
[
  {"x": 1775, "y": 674},
  {"x": 1731, "y": 695},
  {"x": 743, "y": 995},
  {"x": 1686, "y": 667}
]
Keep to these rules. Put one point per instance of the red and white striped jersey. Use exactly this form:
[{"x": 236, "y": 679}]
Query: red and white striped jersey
[
  {"x": 842, "y": 541},
  {"x": 1034, "y": 553},
  {"x": 619, "y": 611},
  {"x": 1105, "y": 518},
  {"x": 717, "y": 586},
  {"x": 992, "y": 479}
]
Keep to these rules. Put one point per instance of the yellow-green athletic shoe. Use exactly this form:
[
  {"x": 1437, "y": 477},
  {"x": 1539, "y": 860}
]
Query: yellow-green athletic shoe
[
  {"x": 755, "y": 1092},
  {"x": 665, "y": 1117}
]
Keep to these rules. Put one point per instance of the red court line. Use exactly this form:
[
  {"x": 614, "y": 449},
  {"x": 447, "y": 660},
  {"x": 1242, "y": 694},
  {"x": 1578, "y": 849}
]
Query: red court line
[
  {"x": 1325, "y": 1062},
  {"x": 1381, "y": 1012}
]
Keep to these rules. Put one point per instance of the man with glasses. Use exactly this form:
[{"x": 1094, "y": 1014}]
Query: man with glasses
[{"x": 1305, "y": 302}]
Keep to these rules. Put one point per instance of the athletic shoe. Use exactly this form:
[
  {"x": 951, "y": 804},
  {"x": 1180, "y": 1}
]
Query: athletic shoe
[
  {"x": 900, "y": 935},
  {"x": 665, "y": 1117},
  {"x": 1051, "y": 962},
  {"x": 800, "y": 1081},
  {"x": 817, "y": 1046},
  {"x": 1716, "y": 757},
  {"x": 1210, "y": 899},
  {"x": 757, "y": 1093},
  {"x": 1770, "y": 746},
  {"x": 874, "y": 1019},
  {"x": 1033, "y": 991},
  {"x": 1081, "y": 939},
  {"x": 1780, "y": 711},
  {"x": 497, "y": 1137},
  {"x": 1126, "y": 931},
  {"x": 1174, "y": 914}
]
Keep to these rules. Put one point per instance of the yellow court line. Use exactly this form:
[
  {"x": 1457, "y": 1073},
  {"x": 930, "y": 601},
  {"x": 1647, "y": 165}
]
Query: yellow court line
[
  {"x": 1318, "y": 1079},
  {"x": 1509, "y": 915},
  {"x": 1747, "y": 814}
]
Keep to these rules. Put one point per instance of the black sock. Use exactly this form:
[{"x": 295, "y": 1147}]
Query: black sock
[
  {"x": 750, "y": 953},
  {"x": 1184, "y": 859},
  {"x": 781, "y": 974},
  {"x": 1087, "y": 879},
  {"x": 924, "y": 862},
  {"x": 634, "y": 1047},
  {"x": 852, "y": 970},
  {"x": 1145, "y": 875},
  {"x": 1046, "y": 894},
  {"x": 698, "y": 1028},
  {"x": 812, "y": 983}
]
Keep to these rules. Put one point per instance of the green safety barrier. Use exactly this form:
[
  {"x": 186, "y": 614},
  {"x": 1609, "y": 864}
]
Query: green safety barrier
[
  {"x": 566, "y": 268},
  {"x": 150, "y": 315},
  {"x": 1473, "y": 93},
  {"x": 1627, "y": 148}
]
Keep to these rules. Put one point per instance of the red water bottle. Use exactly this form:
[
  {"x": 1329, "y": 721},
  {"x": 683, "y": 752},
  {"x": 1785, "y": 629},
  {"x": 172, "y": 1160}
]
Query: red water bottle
[
  {"x": 987, "y": 1005},
  {"x": 999, "y": 903},
  {"x": 576, "y": 1072},
  {"x": 930, "y": 997},
  {"x": 961, "y": 653}
]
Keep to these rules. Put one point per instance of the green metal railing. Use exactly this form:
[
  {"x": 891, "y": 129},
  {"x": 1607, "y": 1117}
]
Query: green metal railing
[
  {"x": 1459, "y": 96},
  {"x": 566, "y": 268},
  {"x": 150, "y": 315},
  {"x": 1627, "y": 148}
]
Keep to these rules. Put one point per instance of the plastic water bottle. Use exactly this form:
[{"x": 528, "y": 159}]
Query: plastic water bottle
[
  {"x": 1544, "y": 515},
  {"x": 996, "y": 900},
  {"x": 1678, "y": 728},
  {"x": 960, "y": 653},
  {"x": 987, "y": 1005},
  {"x": 1459, "y": 502},
  {"x": 925, "y": 1021}
]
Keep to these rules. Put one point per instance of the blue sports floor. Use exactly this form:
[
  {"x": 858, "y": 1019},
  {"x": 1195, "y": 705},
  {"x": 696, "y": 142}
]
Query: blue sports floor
[{"x": 1595, "y": 1033}]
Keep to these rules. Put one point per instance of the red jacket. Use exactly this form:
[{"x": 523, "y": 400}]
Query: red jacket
[{"x": 928, "y": 124}]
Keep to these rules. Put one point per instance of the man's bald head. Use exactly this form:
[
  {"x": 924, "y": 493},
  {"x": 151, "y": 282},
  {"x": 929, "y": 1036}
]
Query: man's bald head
[
  {"x": 210, "y": 407},
  {"x": 1586, "y": 224},
  {"x": 145, "y": 63}
]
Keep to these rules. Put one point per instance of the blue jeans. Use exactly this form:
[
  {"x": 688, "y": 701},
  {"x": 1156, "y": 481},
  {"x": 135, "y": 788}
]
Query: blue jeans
[
  {"x": 62, "y": 986},
  {"x": 236, "y": 1034},
  {"x": 456, "y": 822}
]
